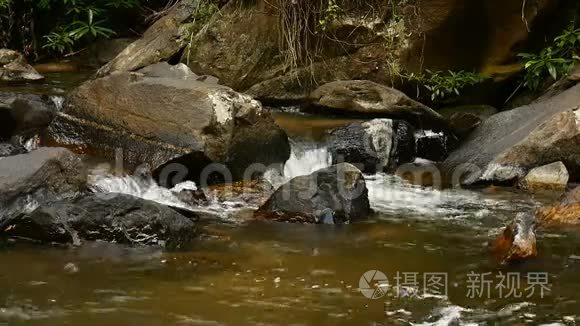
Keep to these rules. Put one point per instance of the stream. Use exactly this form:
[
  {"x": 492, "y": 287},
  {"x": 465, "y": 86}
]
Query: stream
[{"x": 258, "y": 273}]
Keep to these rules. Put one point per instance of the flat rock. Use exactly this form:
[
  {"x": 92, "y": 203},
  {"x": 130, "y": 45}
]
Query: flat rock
[
  {"x": 14, "y": 68},
  {"x": 553, "y": 176}
]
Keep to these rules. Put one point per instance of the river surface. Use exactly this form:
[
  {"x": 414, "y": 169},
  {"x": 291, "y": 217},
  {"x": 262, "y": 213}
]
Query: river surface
[{"x": 430, "y": 245}]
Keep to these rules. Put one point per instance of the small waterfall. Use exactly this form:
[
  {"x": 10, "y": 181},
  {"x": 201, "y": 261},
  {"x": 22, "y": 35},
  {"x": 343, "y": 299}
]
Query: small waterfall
[
  {"x": 58, "y": 102},
  {"x": 305, "y": 158}
]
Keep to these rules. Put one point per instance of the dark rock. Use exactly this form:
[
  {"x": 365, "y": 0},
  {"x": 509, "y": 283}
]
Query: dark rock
[
  {"x": 373, "y": 146},
  {"x": 101, "y": 52},
  {"x": 199, "y": 124},
  {"x": 464, "y": 119},
  {"x": 337, "y": 194},
  {"x": 366, "y": 98},
  {"x": 165, "y": 38},
  {"x": 564, "y": 212},
  {"x": 518, "y": 241},
  {"x": 107, "y": 217},
  {"x": 507, "y": 145},
  {"x": 24, "y": 113},
  {"x": 433, "y": 146},
  {"x": 15, "y": 69},
  {"x": 248, "y": 193},
  {"x": 42, "y": 175}
]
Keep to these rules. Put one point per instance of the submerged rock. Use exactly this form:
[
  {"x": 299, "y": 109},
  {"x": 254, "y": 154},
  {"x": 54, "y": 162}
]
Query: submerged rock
[
  {"x": 509, "y": 144},
  {"x": 518, "y": 241},
  {"x": 161, "y": 121},
  {"x": 14, "y": 68},
  {"x": 373, "y": 146},
  {"x": 553, "y": 176},
  {"x": 42, "y": 175},
  {"x": 363, "y": 97},
  {"x": 336, "y": 194},
  {"x": 107, "y": 217}
]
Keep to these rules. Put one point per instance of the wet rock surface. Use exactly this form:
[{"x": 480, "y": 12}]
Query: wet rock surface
[
  {"x": 200, "y": 124},
  {"x": 15, "y": 69},
  {"x": 507, "y": 145},
  {"x": 373, "y": 146},
  {"x": 42, "y": 175},
  {"x": 333, "y": 195},
  {"x": 107, "y": 217},
  {"x": 24, "y": 113},
  {"x": 518, "y": 241}
]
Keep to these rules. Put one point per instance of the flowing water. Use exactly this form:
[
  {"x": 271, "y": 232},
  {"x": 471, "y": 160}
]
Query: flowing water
[{"x": 257, "y": 273}]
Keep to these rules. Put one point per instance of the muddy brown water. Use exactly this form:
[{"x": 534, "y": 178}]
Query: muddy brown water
[{"x": 261, "y": 273}]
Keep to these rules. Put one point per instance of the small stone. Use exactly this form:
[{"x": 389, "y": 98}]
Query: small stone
[
  {"x": 71, "y": 268},
  {"x": 553, "y": 176}
]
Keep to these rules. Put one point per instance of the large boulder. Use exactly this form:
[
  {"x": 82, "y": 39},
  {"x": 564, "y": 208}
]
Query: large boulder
[
  {"x": 160, "y": 121},
  {"x": 165, "y": 38},
  {"x": 336, "y": 194},
  {"x": 14, "y": 68},
  {"x": 373, "y": 146},
  {"x": 507, "y": 145},
  {"x": 363, "y": 97},
  {"x": 107, "y": 217},
  {"x": 42, "y": 175},
  {"x": 278, "y": 51}
]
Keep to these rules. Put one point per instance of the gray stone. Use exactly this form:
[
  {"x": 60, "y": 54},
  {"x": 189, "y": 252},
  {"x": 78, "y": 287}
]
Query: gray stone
[
  {"x": 160, "y": 121},
  {"x": 507, "y": 145},
  {"x": 106, "y": 217},
  {"x": 553, "y": 176},
  {"x": 14, "y": 68},
  {"x": 336, "y": 194},
  {"x": 366, "y": 98}
]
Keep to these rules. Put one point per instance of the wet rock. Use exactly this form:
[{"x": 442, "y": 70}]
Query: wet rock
[
  {"x": 509, "y": 144},
  {"x": 7, "y": 149},
  {"x": 14, "y": 68},
  {"x": 370, "y": 145},
  {"x": 553, "y": 176},
  {"x": 565, "y": 211},
  {"x": 464, "y": 119},
  {"x": 24, "y": 113},
  {"x": 518, "y": 241},
  {"x": 336, "y": 194},
  {"x": 42, "y": 175},
  {"x": 180, "y": 71},
  {"x": 248, "y": 193},
  {"x": 433, "y": 146},
  {"x": 107, "y": 217},
  {"x": 363, "y": 97},
  {"x": 199, "y": 124},
  {"x": 165, "y": 38}
]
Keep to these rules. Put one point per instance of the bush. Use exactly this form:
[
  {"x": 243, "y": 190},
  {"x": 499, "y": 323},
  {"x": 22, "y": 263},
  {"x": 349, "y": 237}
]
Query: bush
[{"x": 442, "y": 85}]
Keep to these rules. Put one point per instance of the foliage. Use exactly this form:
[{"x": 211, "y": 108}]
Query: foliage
[
  {"x": 4, "y": 4},
  {"x": 554, "y": 61},
  {"x": 442, "y": 85},
  {"x": 330, "y": 13}
]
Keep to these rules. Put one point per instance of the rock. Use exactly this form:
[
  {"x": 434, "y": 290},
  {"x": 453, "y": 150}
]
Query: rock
[
  {"x": 368, "y": 145},
  {"x": 199, "y": 124},
  {"x": 518, "y": 241},
  {"x": 42, "y": 175},
  {"x": 365, "y": 43},
  {"x": 336, "y": 194},
  {"x": 363, "y": 97},
  {"x": 553, "y": 176},
  {"x": 24, "y": 113},
  {"x": 7, "y": 149},
  {"x": 115, "y": 218},
  {"x": 506, "y": 146},
  {"x": 433, "y": 146},
  {"x": 463, "y": 120},
  {"x": 14, "y": 68},
  {"x": 247, "y": 193},
  {"x": 565, "y": 211},
  {"x": 180, "y": 71},
  {"x": 165, "y": 38}
]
